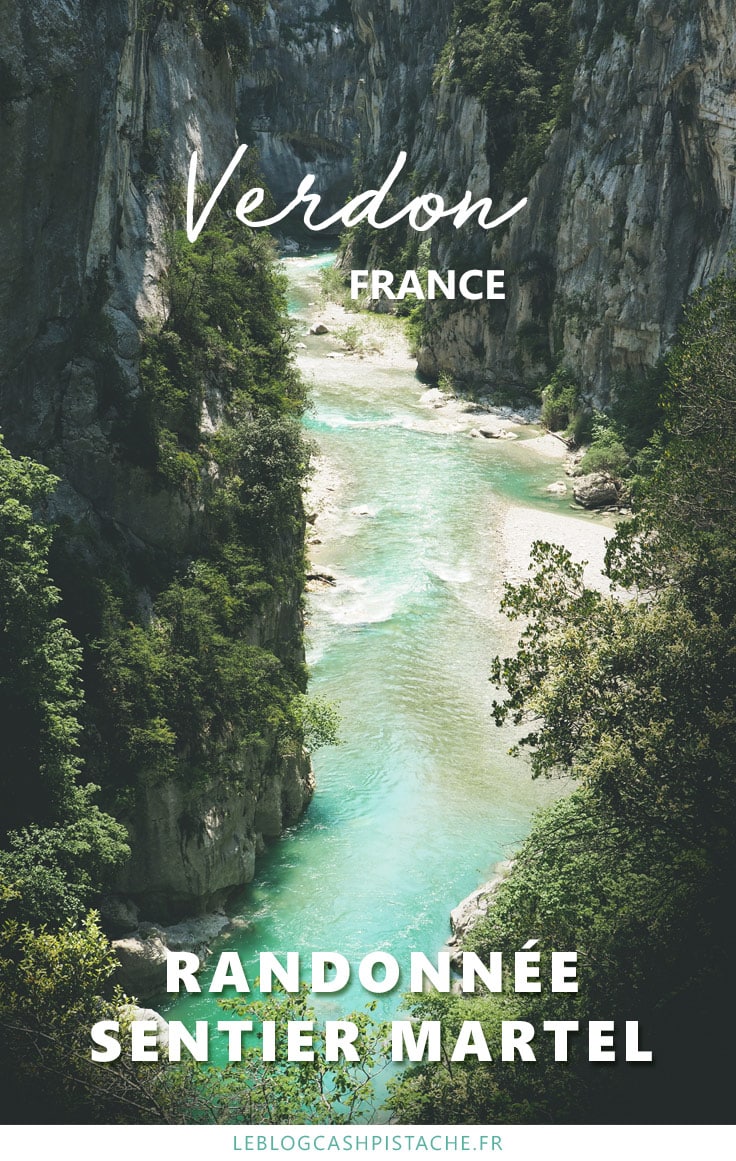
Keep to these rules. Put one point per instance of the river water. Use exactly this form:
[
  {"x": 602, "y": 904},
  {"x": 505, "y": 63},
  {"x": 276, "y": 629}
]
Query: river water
[{"x": 421, "y": 800}]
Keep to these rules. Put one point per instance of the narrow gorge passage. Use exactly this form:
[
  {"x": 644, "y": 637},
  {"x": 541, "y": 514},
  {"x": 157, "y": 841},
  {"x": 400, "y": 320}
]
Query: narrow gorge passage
[{"x": 421, "y": 800}]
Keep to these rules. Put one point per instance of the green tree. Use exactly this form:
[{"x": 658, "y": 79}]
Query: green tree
[
  {"x": 254, "y": 1091},
  {"x": 181, "y": 689},
  {"x": 39, "y": 659},
  {"x": 634, "y": 698},
  {"x": 682, "y": 532},
  {"x": 59, "y": 846},
  {"x": 517, "y": 57},
  {"x": 51, "y": 990}
]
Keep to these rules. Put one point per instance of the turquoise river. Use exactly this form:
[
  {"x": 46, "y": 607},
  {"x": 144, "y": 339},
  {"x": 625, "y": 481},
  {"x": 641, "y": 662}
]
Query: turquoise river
[{"x": 421, "y": 800}]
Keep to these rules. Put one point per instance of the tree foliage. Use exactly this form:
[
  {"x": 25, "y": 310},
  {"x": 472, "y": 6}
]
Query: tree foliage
[
  {"x": 255, "y": 1091},
  {"x": 222, "y": 26},
  {"x": 53, "y": 984},
  {"x": 39, "y": 668},
  {"x": 516, "y": 56},
  {"x": 59, "y": 845},
  {"x": 178, "y": 682},
  {"x": 633, "y": 698}
]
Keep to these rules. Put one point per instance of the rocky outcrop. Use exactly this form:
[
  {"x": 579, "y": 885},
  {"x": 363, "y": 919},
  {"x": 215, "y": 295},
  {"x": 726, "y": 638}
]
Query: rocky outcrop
[
  {"x": 99, "y": 115},
  {"x": 101, "y": 108},
  {"x": 193, "y": 847},
  {"x": 142, "y": 953},
  {"x": 474, "y": 908}
]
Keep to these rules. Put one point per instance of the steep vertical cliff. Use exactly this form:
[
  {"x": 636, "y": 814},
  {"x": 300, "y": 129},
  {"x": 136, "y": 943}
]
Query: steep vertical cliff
[
  {"x": 101, "y": 106},
  {"x": 296, "y": 100},
  {"x": 631, "y": 209}
]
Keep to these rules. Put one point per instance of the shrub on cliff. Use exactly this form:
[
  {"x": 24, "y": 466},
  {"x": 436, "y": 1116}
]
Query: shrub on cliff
[
  {"x": 58, "y": 845},
  {"x": 179, "y": 683},
  {"x": 517, "y": 57}
]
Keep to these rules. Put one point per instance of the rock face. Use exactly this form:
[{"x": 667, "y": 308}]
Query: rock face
[
  {"x": 142, "y": 953},
  {"x": 473, "y": 908},
  {"x": 100, "y": 112},
  {"x": 191, "y": 849},
  {"x": 296, "y": 100},
  {"x": 631, "y": 210},
  {"x": 596, "y": 490}
]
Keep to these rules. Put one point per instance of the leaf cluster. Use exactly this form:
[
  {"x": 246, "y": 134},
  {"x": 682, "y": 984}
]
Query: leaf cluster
[
  {"x": 517, "y": 57},
  {"x": 284, "y": 1092}
]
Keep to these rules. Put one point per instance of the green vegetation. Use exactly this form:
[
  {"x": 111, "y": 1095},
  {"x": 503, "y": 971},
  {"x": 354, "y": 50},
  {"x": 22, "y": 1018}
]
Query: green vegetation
[
  {"x": 615, "y": 16},
  {"x": 560, "y": 401},
  {"x": 39, "y": 679},
  {"x": 516, "y": 56},
  {"x": 258, "y": 1092},
  {"x": 59, "y": 845},
  {"x": 188, "y": 648},
  {"x": 635, "y": 700},
  {"x": 52, "y": 984},
  {"x": 177, "y": 686},
  {"x": 334, "y": 287},
  {"x": 221, "y": 25},
  {"x": 59, "y": 848},
  {"x": 607, "y": 451},
  {"x": 625, "y": 440}
]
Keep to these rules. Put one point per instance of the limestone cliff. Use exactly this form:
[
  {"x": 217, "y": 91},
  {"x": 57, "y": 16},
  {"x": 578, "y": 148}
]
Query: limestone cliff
[
  {"x": 296, "y": 99},
  {"x": 101, "y": 106},
  {"x": 632, "y": 208}
]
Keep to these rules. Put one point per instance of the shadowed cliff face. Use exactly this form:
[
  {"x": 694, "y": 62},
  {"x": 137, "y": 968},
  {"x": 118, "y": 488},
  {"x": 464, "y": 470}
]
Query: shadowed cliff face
[
  {"x": 296, "y": 99},
  {"x": 100, "y": 110},
  {"x": 631, "y": 210},
  {"x": 99, "y": 117}
]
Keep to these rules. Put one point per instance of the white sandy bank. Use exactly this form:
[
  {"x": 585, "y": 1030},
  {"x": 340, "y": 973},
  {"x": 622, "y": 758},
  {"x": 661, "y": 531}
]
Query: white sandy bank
[{"x": 584, "y": 537}]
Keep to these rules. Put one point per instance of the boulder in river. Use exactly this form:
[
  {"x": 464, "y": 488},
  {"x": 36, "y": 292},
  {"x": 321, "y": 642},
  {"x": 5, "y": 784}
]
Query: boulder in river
[
  {"x": 496, "y": 433},
  {"x": 142, "y": 954},
  {"x": 598, "y": 490},
  {"x": 318, "y": 328}
]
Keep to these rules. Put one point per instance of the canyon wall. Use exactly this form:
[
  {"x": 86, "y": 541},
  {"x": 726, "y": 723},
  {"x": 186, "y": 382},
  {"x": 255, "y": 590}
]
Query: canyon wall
[
  {"x": 631, "y": 209},
  {"x": 101, "y": 106},
  {"x": 296, "y": 99}
]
